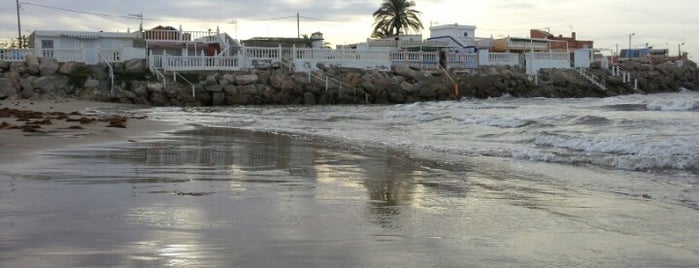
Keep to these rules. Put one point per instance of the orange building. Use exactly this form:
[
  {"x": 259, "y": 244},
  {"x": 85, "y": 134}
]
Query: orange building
[{"x": 561, "y": 42}]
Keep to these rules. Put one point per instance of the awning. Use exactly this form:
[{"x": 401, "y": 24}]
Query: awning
[{"x": 90, "y": 36}]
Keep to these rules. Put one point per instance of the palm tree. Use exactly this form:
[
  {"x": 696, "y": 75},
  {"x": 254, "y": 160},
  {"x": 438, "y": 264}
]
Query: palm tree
[{"x": 396, "y": 17}]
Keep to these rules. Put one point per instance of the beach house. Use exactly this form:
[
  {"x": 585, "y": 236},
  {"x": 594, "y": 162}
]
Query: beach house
[{"x": 88, "y": 47}]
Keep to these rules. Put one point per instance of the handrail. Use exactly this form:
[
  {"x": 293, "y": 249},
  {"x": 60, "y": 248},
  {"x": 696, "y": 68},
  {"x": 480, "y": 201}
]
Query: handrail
[
  {"x": 174, "y": 77},
  {"x": 111, "y": 74},
  {"x": 456, "y": 86},
  {"x": 596, "y": 80},
  {"x": 330, "y": 82},
  {"x": 155, "y": 70}
]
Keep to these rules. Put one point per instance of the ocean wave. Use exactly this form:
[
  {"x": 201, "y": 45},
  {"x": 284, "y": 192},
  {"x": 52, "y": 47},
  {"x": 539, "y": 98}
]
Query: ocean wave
[{"x": 672, "y": 105}]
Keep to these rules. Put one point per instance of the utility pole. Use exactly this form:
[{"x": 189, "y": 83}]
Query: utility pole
[
  {"x": 298, "y": 24},
  {"x": 140, "y": 16},
  {"x": 19, "y": 27}
]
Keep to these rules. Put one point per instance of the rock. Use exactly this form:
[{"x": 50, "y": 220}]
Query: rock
[
  {"x": 135, "y": 66},
  {"x": 407, "y": 87},
  {"x": 309, "y": 98},
  {"x": 48, "y": 66},
  {"x": 158, "y": 99},
  {"x": 155, "y": 87},
  {"x": 27, "y": 93},
  {"x": 237, "y": 99},
  {"x": 14, "y": 78},
  {"x": 215, "y": 88},
  {"x": 218, "y": 98},
  {"x": 250, "y": 90},
  {"x": 246, "y": 79},
  {"x": 68, "y": 67},
  {"x": 32, "y": 64},
  {"x": 26, "y": 84},
  {"x": 18, "y": 67},
  {"x": 405, "y": 70},
  {"x": 212, "y": 79},
  {"x": 140, "y": 90},
  {"x": 230, "y": 89},
  {"x": 276, "y": 81},
  {"x": 49, "y": 84},
  {"x": 227, "y": 79},
  {"x": 6, "y": 88},
  {"x": 288, "y": 84},
  {"x": 91, "y": 83}
]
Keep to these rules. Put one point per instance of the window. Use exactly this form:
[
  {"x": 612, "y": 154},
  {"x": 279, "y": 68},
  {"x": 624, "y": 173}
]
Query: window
[
  {"x": 466, "y": 34},
  {"x": 47, "y": 48},
  {"x": 47, "y": 44}
]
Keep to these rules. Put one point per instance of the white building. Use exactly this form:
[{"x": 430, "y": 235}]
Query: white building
[
  {"x": 87, "y": 47},
  {"x": 459, "y": 37}
]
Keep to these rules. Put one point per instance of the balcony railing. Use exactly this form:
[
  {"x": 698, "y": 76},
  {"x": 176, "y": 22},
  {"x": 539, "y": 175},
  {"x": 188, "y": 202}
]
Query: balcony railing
[
  {"x": 12, "y": 54},
  {"x": 180, "y": 36}
]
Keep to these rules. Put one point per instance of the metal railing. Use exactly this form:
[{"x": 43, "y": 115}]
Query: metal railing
[
  {"x": 174, "y": 78},
  {"x": 594, "y": 79},
  {"x": 179, "y": 36},
  {"x": 111, "y": 74}
]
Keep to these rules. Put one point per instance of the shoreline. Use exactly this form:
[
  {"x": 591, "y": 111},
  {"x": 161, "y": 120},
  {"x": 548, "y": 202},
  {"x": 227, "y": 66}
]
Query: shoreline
[{"x": 18, "y": 146}]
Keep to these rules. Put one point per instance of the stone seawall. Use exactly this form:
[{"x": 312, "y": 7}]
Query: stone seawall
[{"x": 46, "y": 78}]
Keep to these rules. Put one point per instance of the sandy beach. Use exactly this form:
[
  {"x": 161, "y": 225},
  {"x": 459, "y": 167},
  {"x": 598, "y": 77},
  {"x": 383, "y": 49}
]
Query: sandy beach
[
  {"x": 224, "y": 194},
  {"x": 18, "y": 145}
]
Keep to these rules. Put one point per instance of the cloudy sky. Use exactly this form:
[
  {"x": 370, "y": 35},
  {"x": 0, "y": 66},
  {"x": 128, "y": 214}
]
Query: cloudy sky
[{"x": 661, "y": 24}]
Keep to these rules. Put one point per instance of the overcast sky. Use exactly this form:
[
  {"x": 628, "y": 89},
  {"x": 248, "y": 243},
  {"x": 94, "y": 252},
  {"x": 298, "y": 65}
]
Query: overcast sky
[{"x": 661, "y": 24}]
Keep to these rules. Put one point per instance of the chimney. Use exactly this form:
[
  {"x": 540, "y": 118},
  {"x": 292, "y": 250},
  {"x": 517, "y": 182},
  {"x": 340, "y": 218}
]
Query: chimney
[{"x": 573, "y": 35}]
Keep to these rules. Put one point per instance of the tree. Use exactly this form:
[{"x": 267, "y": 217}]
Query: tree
[
  {"x": 396, "y": 17},
  {"x": 20, "y": 43}
]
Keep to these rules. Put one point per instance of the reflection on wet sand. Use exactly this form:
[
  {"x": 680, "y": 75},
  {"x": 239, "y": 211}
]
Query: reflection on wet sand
[{"x": 221, "y": 197}]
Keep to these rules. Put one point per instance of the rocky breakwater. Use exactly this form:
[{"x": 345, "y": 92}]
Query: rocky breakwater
[{"x": 45, "y": 78}]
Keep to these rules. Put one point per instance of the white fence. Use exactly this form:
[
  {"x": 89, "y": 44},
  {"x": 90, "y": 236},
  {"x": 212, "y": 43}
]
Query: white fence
[
  {"x": 190, "y": 63},
  {"x": 301, "y": 59},
  {"x": 11, "y": 54},
  {"x": 545, "y": 60},
  {"x": 73, "y": 55},
  {"x": 487, "y": 58}
]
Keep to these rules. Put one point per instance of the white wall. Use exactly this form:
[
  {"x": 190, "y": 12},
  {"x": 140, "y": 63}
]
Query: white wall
[
  {"x": 455, "y": 30},
  {"x": 583, "y": 58}
]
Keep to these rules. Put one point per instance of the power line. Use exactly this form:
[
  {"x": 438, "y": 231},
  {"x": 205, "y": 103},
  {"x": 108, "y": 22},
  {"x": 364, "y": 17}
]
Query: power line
[{"x": 84, "y": 12}]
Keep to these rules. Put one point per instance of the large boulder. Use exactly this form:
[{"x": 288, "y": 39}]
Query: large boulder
[
  {"x": 135, "y": 66},
  {"x": 48, "y": 66},
  {"x": 67, "y": 68},
  {"x": 32, "y": 64},
  {"x": 6, "y": 88},
  {"x": 50, "y": 84},
  {"x": 309, "y": 98},
  {"x": 288, "y": 84},
  {"x": 91, "y": 83},
  {"x": 406, "y": 71},
  {"x": 246, "y": 79},
  {"x": 218, "y": 98},
  {"x": 18, "y": 67}
]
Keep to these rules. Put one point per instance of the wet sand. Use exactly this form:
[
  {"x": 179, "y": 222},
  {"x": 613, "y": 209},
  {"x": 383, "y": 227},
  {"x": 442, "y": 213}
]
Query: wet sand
[
  {"x": 17, "y": 146},
  {"x": 211, "y": 197}
]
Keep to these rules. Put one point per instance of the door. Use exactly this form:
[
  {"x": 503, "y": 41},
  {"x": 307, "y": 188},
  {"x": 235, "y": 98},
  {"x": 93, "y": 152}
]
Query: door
[{"x": 91, "y": 57}]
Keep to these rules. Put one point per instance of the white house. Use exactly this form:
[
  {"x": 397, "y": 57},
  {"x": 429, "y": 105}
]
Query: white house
[
  {"x": 87, "y": 47},
  {"x": 459, "y": 37}
]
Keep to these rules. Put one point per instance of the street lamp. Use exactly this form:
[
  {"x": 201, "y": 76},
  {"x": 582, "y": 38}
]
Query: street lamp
[
  {"x": 628, "y": 52},
  {"x": 236, "y": 27},
  {"x": 679, "y": 49}
]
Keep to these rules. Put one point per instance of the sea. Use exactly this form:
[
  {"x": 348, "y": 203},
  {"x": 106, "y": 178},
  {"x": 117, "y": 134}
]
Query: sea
[{"x": 499, "y": 182}]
